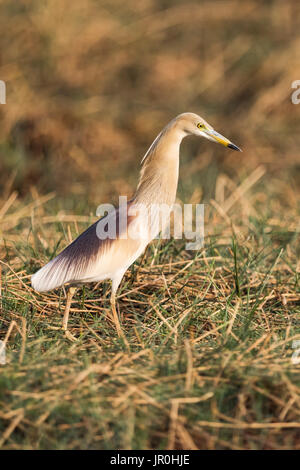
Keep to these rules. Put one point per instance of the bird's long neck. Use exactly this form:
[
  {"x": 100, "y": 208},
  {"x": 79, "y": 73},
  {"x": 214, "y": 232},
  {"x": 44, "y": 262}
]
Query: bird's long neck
[{"x": 159, "y": 174}]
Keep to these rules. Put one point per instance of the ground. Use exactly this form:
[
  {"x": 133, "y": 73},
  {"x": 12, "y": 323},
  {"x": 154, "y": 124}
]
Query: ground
[
  {"x": 208, "y": 364},
  {"x": 211, "y": 359}
]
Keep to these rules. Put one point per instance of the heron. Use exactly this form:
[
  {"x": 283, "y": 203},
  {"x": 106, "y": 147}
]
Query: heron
[{"x": 94, "y": 257}]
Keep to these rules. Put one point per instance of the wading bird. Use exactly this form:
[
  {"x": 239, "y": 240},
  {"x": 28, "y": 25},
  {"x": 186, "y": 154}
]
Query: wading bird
[{"x": 93, "y": 257}]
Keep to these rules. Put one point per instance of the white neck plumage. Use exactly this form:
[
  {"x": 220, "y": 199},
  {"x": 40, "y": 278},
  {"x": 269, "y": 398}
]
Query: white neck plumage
[{"x": 159, "y": 174}]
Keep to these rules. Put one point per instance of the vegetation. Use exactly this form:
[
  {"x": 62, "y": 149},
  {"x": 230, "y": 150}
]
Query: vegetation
[{"x": 210, "y": 333}]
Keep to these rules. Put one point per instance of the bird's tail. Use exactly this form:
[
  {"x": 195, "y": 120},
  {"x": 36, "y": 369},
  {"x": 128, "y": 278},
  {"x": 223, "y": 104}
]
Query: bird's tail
[
  {"x": 51, "y": 276},
  {"x": 73, "y": 264}
]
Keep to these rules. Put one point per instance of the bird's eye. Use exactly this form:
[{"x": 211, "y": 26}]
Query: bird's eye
[{"x": 200, "y": 125}]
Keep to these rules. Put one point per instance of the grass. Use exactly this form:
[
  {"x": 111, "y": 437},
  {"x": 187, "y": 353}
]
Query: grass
[
  {"x": 210, "y": 333},
  {"x": 210, "y": 337}
]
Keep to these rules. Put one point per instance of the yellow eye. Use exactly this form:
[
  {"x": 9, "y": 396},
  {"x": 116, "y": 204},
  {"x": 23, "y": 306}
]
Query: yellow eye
[{"x": 200, "y": 125}]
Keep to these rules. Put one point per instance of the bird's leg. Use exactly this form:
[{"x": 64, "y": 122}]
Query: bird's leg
[
  {"x": 116, "y": 319},
  {"x": 115, "y": 314},
  {"x": 70, "y": 293},
  {"x": 115, "y": 284}
]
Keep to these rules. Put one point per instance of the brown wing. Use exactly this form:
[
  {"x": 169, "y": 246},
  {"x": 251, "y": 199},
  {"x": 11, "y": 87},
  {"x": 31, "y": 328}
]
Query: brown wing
[{"x": 89, "y": 256}]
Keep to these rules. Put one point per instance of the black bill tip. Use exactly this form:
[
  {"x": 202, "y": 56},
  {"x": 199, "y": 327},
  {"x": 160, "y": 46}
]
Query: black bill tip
[{"x": 234, "y": 147}]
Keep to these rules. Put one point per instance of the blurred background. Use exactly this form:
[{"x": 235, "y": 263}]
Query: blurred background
[{"x": 91, "y": 83}]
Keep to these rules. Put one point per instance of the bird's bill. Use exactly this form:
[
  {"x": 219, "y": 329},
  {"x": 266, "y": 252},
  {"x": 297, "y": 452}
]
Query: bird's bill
[{"x": 215, "y": 136}]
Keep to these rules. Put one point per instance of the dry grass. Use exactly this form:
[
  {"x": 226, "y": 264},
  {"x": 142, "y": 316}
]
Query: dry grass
[
  {"x": 210, "y": 333},
  {"x": 210, "y": 340},
  {"x": 89, "y": 87}
]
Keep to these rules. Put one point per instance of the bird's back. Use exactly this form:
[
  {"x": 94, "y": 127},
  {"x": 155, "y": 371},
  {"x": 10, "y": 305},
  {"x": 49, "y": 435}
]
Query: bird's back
[{"x": 89, "y": 257}]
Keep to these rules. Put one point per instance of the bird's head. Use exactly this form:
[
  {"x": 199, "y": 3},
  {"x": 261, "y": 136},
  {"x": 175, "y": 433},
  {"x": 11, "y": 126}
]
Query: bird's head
[{"x": 191, "y": 123}]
